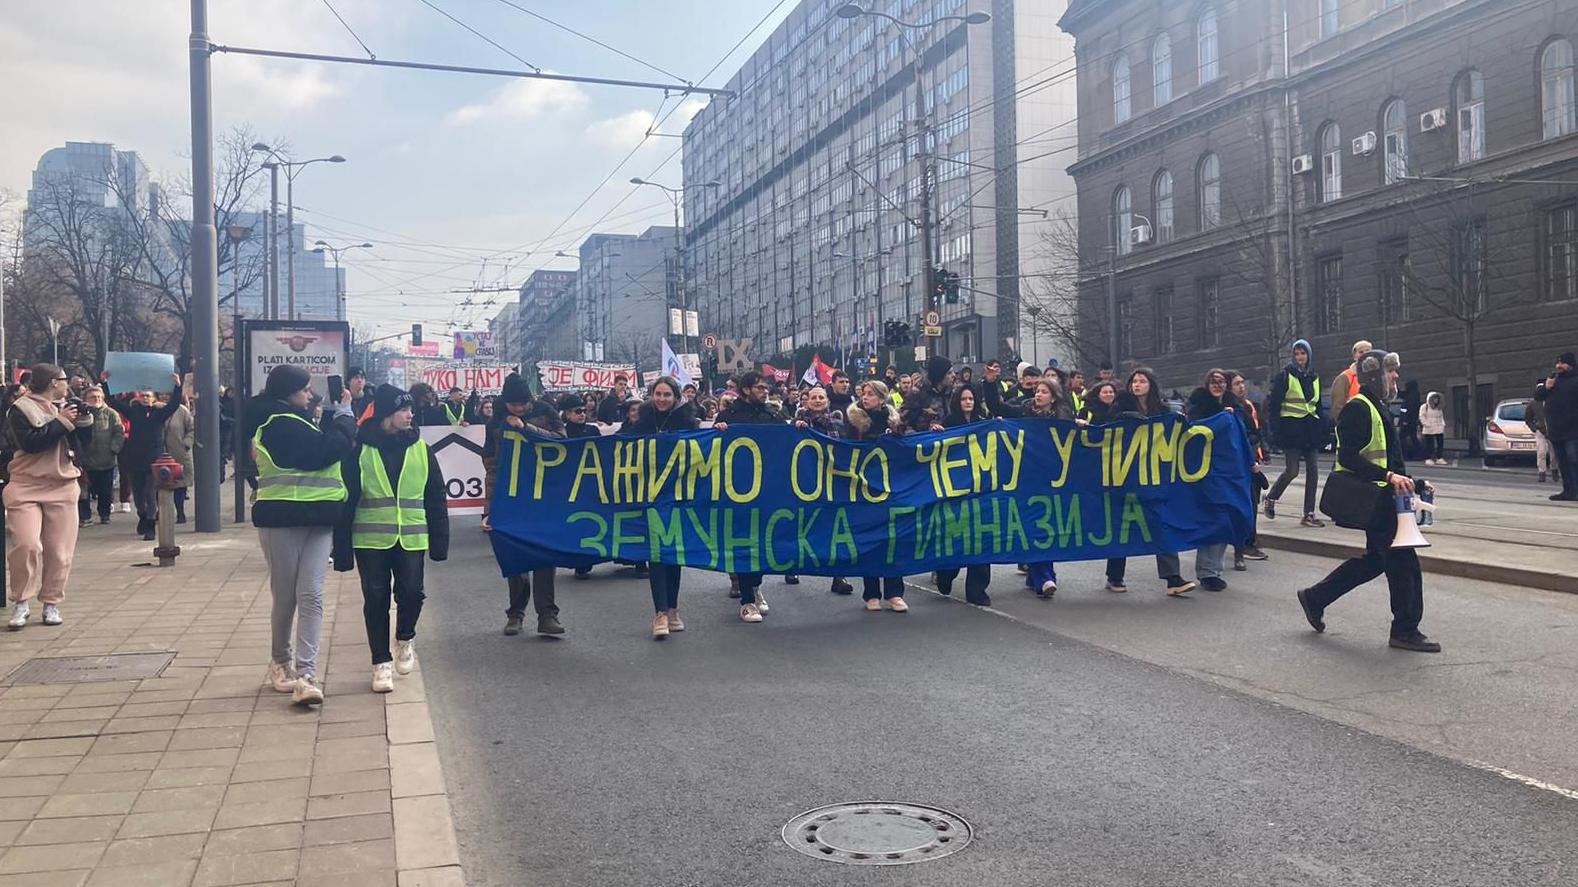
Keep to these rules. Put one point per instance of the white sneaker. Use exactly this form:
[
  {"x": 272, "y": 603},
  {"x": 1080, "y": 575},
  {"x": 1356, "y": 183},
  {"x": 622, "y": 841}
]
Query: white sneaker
[
  {"x": 19, "y": 614},
  {"x": 281, "y": 678},
  {"x": 52, "y": 615},
  {"x": 761, "y": 601},
  {"x": 750, "y": 613},
  {"x": 405, "y": 656},
  {"x": 126, "y": 508},
  {"x": 383, "y": 677},
  {"x": 307, "y": 691}
]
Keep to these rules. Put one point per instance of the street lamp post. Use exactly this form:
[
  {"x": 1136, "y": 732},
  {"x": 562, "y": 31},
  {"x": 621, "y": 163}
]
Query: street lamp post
[
  {"x": 927, "y": 150},
  {"x": 292, "y": 169},
  {"x": 674, "y": 196},
  {"x": 339, "y": 286},
  {"x": 271, "y": 243},
  {"x": 237, "y": 234}
]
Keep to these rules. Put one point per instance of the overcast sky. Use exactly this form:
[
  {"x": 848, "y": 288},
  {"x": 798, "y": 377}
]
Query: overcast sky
[{"x": 444, "y": 170}]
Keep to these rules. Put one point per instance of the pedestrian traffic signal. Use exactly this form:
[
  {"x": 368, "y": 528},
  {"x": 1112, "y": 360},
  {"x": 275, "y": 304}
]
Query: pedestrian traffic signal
[
  {"x": 947, "y": 286},
  {"x": 416, "y": 335}
]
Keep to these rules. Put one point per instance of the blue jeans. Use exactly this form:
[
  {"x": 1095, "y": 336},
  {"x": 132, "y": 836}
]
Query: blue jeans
[
  {"x": 1041, "y": 574},
  {"x": 875, "y": 588},
  {"x": 663, "y": 579},
  {"x": 1208, "y": 561}
]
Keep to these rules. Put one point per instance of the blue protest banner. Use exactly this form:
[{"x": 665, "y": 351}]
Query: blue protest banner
[
  {"x": 138, "y": 371},
  {"x": 774, "y": 499}
]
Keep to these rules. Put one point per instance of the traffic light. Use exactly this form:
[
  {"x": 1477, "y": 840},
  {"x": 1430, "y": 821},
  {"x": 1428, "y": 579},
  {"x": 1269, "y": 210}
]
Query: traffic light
[
  {"x": 947, "y": 284},
  {"x": 416, "y": 335}
]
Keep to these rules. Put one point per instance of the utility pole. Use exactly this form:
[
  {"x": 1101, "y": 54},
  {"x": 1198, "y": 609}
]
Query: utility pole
[
  {"x": 271, "y": 241},
  {"x": 925, "y": 150},
  {"x": 237, "y": 234},
  {"x": 205, "y": 277}
]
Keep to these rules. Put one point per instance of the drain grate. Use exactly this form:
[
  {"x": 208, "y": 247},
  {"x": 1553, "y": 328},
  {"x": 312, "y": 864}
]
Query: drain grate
[
  {"x": 85, "y": 669},
  {"x": 877, "y": 834}
]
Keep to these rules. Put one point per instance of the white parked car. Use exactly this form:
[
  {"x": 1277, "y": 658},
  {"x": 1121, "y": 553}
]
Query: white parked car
[{"x": 1507, "y": 433}]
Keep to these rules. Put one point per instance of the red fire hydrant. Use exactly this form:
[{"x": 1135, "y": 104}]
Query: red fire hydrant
[{"x": 167, "y": 475}]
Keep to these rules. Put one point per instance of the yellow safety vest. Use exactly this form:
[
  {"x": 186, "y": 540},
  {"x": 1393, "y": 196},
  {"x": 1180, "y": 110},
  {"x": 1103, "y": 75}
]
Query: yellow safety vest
[
  {"x": 1078, "y": 400},
  {"x": 277, "y": 484},
  {"x": 384, "y": 515},
  {"x": 1295, "y": 405},
  {"x": 1375, "y": 450},
  {"x": 453, "y": 418}
]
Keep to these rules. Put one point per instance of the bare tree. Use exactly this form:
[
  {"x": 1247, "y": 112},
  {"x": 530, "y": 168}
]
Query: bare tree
[
  {"x": 1051, "y": 300},
  {"x": 1259, "y": 264},
  {"x": 1456, "y": 269},
  {"x": 163, "y": 237}
]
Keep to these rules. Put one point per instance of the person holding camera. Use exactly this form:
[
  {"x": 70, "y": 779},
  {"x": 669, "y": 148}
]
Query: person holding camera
[
  {"x": 1369, "y": 449},
  {"x": 43, "y": 431}
]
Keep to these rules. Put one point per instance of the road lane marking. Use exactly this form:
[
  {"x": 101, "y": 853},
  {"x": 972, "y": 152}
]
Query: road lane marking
[{"x": 1526, "y": 780}]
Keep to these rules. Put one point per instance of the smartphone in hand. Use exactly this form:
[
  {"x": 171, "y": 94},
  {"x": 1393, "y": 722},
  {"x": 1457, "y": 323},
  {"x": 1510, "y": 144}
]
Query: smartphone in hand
[{"x": 336, "y": 388}]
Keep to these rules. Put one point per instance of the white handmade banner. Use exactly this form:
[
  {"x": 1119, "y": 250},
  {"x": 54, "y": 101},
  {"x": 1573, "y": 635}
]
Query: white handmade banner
[
  {"x": 565, "y": 375},
  {"x": 488, "y": 379},
  {"x": 459, "y": 454}
]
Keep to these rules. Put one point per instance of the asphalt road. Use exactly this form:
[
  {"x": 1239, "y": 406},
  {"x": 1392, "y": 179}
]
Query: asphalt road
[{"x": 609, "y": 759}]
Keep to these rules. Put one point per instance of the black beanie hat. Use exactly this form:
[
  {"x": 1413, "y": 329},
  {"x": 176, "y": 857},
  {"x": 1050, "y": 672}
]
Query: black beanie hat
[
  {"x": 285, "y": 380},
  {"x": 937, "y": 368},
  {"x": 571, "y": 401},
  {"x": 515, "y": 390},
  {"x": 1568, "y": 359},
  {"x": 388, "y": 400}
]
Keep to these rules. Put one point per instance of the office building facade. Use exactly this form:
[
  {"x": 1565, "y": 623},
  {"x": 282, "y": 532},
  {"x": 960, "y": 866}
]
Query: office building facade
[{"x": 812, "y": 236}]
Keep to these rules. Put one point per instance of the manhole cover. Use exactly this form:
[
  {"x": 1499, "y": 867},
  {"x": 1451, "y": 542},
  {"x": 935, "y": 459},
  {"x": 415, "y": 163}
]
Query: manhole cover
[
  {"x": 83, "y": 669},
  {"x": 877, "y": 834}
]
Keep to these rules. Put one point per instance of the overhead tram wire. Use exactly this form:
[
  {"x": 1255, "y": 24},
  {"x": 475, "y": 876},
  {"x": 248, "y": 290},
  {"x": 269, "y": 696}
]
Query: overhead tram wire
[
  {"x": 346, "y": 25},
  {"x": 591, "y": 39},
  {"x": 490, "y": 41}
]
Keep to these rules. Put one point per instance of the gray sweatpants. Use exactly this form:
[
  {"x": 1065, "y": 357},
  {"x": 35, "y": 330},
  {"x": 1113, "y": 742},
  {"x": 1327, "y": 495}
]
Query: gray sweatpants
[{"x": 297, "y": 559}]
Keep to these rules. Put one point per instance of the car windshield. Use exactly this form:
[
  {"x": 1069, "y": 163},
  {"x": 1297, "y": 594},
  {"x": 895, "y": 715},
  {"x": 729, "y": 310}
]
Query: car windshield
[{"x": 1512, "y": 412}]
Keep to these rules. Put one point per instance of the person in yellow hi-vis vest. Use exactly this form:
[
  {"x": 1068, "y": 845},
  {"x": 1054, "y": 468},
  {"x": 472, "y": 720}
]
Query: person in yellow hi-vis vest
[
  {"x": 396, "y": 513},
  {"x": 1367, "y": 446},
  {"x": 299, "y": 500},
  {"x": 1297, "y": 420}
]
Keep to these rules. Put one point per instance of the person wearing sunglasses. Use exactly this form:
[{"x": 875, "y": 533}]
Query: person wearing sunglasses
[
  {"x": 301, "y": 497},
  {"x": 41, "y": 492},
  {"x": 396, "y": 513}
]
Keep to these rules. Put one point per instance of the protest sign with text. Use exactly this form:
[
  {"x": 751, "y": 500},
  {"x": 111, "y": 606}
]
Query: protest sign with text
[
  {"x": 774, "y": 499},
  {"x": 563, "y": 375},
  {"x": 486, "y": 379}
]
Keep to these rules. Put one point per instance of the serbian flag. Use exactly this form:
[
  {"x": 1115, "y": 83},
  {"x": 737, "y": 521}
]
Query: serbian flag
[{"x": 818, "y": 373}]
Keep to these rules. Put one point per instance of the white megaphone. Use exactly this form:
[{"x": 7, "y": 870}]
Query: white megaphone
[{"x": 1408, "y": 535}]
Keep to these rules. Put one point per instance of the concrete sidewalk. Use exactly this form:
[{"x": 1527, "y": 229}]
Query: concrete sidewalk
[
  {"x": 1512, "y": 535},
  {"x": 201, "y": 775}
]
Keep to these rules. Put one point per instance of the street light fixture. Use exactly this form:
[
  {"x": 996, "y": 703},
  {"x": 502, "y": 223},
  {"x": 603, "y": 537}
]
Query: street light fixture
[
  {"x": 292, "y": 169},
  {"x": 321, "y": 247},
  {"x": 674, "y": 195},
  {"x": 923, "y": 124}
]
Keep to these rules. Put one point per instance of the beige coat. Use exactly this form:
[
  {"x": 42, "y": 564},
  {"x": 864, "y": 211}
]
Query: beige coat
[{"x": 180, "y": 430}]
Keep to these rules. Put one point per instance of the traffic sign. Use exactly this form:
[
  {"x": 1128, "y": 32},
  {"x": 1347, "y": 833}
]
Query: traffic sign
[
  {"x": 931, "y": 331},
  {"x": 933, "y": 319},
  {"x": 709, "y": 341}
]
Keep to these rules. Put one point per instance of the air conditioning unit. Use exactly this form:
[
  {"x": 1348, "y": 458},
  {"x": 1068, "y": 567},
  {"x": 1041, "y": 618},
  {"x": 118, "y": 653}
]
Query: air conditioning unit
[
  {"x": 1303, "y": 165},
  {"x": 1364, "y": 145},
  {"x": 1140, "y": 235},
  {"x": 1432, "y": 120}
]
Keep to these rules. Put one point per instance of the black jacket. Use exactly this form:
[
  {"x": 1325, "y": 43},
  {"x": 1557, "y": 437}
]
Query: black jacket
[
  {"x": 1353, "y": 435},
  {"x": 146, "y": 441},
  {"x": 1127, "y": 406},
  {"x": 391, "y": 448},
  {"x": 298, "y": 445},
  {"x": 611, "y": 409},
  {"x": 1561, "y": 406},
  {"x": 650, "y": 421},
  {"x": 839, "y": 402},
  {"x": 743, "y": 412},
  {"x": 1096, "y": 413},
  {"x": 925, "y": 406},
  {"x": 1296, "y": 434},
  {"x": 863, "y": 424},
  {"x": 581, "y": 429},
  {"x": 1202, "y": 405}
]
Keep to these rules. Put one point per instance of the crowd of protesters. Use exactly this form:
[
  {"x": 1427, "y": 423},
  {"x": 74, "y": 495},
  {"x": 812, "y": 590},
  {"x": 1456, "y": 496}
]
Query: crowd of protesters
[{"x": 351, "y": 483}]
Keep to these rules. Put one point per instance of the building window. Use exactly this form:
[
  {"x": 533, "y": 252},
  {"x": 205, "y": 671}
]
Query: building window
[
  {"x": 1122, "y": 220},
  {"x": 1556, "y": 89},
  {"x": 1163, "y": 302},
  {"x": 1330, "y": 163},
  {"x": 1394, "y": 123},
  {"x": 1120, "y": 90},
  {"x": 1328, "y": 295},
  {"x": 1561, "y": 253},
  {"x": 1206, "y": 46},
  {"x": 1395, "y": 272},
  {"x": 1468, "y": 266},
  {"x": 1470, "y": 94},
  {"x": 1162, "y": 70},
  {"x": 1208, "y": 295},
  {"x": 1330, "y": 17},
  {"x": 1210, "y": 179},
  {"x": 1162, "y": 194}
]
